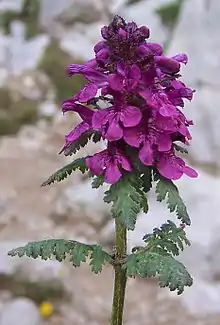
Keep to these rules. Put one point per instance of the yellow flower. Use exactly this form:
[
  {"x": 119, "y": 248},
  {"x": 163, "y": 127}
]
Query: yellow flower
[{"x": 46, "y": 309}]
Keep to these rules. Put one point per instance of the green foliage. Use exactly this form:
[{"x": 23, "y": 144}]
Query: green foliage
[
  {"x": 98, "y": 181},
  {"x": 28, "y": 15},
  {"x": 146, "y": 178},
  {"x": 67, "y": 170},
  {"x": 127, "y": 199},
  {"x": 82, "y": 142},
  {"x": 169, "y": 13},
  {"x": 171, "y": 273},
  {"x": 60, "y": 248},
  {"x": 15, "y": 113},
  {"x": 180, "y": 149},
  {"x": 166, "y": 190},
  {"x": 54, "y": 64},
  {"x": 169, "y": 239}
]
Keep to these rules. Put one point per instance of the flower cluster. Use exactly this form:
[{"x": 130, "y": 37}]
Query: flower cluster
[{"x": 144, "y": 98}]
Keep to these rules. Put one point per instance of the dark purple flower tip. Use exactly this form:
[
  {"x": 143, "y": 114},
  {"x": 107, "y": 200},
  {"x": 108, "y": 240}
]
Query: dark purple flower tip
[
  {"x": 144, "y": 31},
  {"x": 99, "y": 46},
  {"x": 167, "y": 65},
  {"x": 117, "y": 23}
]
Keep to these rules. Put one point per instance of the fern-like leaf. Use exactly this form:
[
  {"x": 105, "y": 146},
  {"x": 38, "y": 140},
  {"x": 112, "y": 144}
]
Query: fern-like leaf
[
  {"x": 171, "y": 273},
  {"x": 82, "y": 142},
  {"x": 167, "y": 190},
  {"x": 61, "y": 248},
  {"x": 67, "y": 170},
  {"x": 127, "y": 199},
  {"x": 169, "y": 239},
  {"x": 97, "y": 181},
  {"x": 180, "y": 149}
]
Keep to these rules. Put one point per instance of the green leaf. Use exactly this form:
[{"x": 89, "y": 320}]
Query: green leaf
[
  {"x": 171, "y": 273},
  {"x": 146, "y": 178},
  {"x": 180, "y": 149},
  {"x": 82, "y": 142},
  {"x": 166, "y": 190},
  {"x": 61, "y": 248},
  {"x": 127, "y": 199},
  {"x": 169, "y": 239},
  {"x": 67, "y": 170},
  {"x": 98, "y": 181}
]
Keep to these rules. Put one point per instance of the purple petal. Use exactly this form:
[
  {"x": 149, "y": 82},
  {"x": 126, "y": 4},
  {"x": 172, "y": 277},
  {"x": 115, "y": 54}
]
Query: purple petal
[
  {"x": 124, "y": 162},
  {"x": 112, "y": 173},
  {"x": 156, "y": 48},
  {"x": 146, "y": 154},
  {"x": 100, "y": 118},
  {"x": 148, "y": 96},
  {"x": 114, "y": 131},
  {"x": 116, "y": 82},
  {"x": 99, "y": 46},
  {"x": 167, "y": 65},
  {"x": 135, "y": 72},
  {"x": 130, "y": 116},
  {"x": 75, "y": 69},
  {"x": 132, "y": 137},
  {"x": 102, "y": 55},
  {"x": 182, "y": 58},
  {"x": 84, "y": 112},
  {"x": 75, "y": 134},
  {"x": 170, "y": 168},
  {"x": 144, "y": 31},
  {"x": 96, "y": 163},
  {"x": 68, "y": 105},
  {"x": 164, "y": 142},
  {"x": 88, "y": 92},
  {"x": 190, "y": 172},
  {"x": 168, "y": 110}
]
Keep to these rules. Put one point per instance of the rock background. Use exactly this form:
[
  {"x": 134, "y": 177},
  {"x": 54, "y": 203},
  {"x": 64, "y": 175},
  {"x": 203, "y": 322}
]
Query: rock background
[{"x": 38, "y": 38}]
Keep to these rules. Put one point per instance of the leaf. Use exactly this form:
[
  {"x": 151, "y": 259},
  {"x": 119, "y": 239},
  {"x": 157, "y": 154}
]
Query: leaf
[
  {"x": 98, "y": 181},
  {"x": 127, "y": 199},
  {"x": 171, "y": 273},
  {"x": 60, "y": 248},
  {"x": 169, "y": 239},
  {"x": 180, "y": 149},
  {"x": 166, "y": 190},
  {"x": 146, "y": 178},
  {"x": 98, "y": 258},
  {"x": 67, "y": 170},
  {"x": 82, "y": 142}
]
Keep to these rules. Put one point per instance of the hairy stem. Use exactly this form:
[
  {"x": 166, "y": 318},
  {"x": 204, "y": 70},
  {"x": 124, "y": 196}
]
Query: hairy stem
[{"x": 120, "y": 275}]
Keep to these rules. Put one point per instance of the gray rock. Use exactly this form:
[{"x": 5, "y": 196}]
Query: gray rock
[
  {"x": 67, "y": 11},
  {"x": 17, "y": 54},
  {"x": 22, "y": 311},
  {"x": 202, "y": 45},
  {"x": 11, "y": 5},
  {"x": 80, "y": 40}
]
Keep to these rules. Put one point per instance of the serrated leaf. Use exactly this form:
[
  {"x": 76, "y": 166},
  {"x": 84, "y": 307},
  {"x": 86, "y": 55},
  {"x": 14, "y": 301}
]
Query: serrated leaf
[
  {"x": 171, "y": 273},
  {"x": 180, "y": 149},
  {"x": 168, "y": 239},
  {"x": 67, "y": 170},
  {"x": 82, "y": 142},
  {"x": 146, "y": 178},
  {"x": 167, "y": 190},
  {"x": 98, "y": 258},
  {"x": 60, "y": 248},
  {"x": 97, "y": 181},
  {"x": 127, "y": 200}
]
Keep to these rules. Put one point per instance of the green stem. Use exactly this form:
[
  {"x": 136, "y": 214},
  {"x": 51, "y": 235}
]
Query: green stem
[{"x": 120, "y": 275}]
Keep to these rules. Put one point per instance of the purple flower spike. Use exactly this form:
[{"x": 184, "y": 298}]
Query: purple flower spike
[{"x": 143, "y": 98}]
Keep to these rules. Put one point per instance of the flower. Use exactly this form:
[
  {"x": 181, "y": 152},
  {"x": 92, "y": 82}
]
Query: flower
[
  {"x": 46, "y": 309},
  {"x": 145, "y": 98},
  {"x": 110, "y": 163}
]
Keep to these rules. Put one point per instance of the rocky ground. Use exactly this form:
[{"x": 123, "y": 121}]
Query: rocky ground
[{"x": 37, "y": 42}]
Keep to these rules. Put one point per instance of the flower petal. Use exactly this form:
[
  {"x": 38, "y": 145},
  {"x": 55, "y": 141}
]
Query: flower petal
[
  {"x": 75, "y": 134},
  {"x": 100, "y": 118},
  {"x": 112, "y": 173},
  {"x": 146, "y": 154},
  {"x": 88, "y": 92},
  {"x": 164, "y": 142},
  {"x": 96, "y": 163},
  {"x": 116, "y": 82},
  {"x": 114, "y": 131},
  {"x": 167, "y": 65},
  {"x": 130, "y": 116},
  {"x": 132, "y": 137},
  {"x": 190, "y": 172}
]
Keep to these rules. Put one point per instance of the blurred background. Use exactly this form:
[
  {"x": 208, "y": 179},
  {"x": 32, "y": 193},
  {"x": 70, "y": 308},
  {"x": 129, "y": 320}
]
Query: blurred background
[{"x": 38, "y": 39}]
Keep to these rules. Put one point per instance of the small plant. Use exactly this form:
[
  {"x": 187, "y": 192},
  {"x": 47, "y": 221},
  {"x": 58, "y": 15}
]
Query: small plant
[{"x": 142, "y": 123}]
